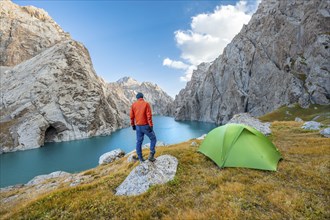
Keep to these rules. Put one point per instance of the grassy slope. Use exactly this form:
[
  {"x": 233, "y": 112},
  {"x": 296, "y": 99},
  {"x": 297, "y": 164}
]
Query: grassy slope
[
  {"x": 300, "y": 189},
  {"x": 320, "y": 113}
]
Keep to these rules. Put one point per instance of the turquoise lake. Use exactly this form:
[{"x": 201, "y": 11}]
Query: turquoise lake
[{"x": 74, "y": 156}]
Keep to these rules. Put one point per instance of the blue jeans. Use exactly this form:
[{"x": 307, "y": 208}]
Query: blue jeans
[{"x": 142, "y": 130}]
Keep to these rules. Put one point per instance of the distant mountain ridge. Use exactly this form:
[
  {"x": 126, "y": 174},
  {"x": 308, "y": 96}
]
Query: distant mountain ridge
[
  {"x": 280, "y": 57},
  {"x": 126, "y": 89}
]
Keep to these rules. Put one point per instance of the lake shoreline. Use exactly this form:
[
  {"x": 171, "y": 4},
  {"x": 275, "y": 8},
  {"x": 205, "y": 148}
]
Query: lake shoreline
[{"x": 74, "y": 156}]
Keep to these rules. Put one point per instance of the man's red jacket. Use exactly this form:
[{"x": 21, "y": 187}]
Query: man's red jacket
[{"x": 141, "y": 113}]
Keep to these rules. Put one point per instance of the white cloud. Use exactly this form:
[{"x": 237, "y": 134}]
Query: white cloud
[
  {"x": 175, "y": 64},
  {"x": 180, "y": 65},
  {"x": 211, "y": 32}
]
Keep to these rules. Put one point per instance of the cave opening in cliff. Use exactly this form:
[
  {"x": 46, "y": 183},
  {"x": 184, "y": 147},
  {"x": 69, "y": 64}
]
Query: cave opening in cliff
[{"x": 50, "y": 134}]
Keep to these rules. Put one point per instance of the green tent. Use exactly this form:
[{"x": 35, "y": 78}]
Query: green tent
[{"x": 237, "y": 145}]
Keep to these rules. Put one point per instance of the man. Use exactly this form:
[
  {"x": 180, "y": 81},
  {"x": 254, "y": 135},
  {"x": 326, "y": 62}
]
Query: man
[{"x": 141, "y": 121}]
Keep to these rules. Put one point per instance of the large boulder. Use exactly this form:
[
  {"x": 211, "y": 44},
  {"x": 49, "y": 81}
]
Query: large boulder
[
  {"x": 325, "y": 132},
  {"x": 311, "y": 125},
  {"x": 194, "y": 144},
  {"x": 41, "y": 178},
  {"x": 247, "y": 119},
  {"x": 201, "y": 137},
  {"x": 111, "y": 156},
  {"x": 148, "y": 174}
]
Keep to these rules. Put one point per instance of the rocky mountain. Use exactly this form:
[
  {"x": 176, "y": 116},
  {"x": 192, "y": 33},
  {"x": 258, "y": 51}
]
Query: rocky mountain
[
  {"x": 281, "y": 57},
  {"x": 49, "y": 89},
  {"x": 126, "y": 88},
  {"x": 25, "y": 32}
]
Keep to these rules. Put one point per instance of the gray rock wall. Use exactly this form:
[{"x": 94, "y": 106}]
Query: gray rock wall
[
  {"x": 25, "y": 32},
  {"x": 54, "y": 96},
  {"x": 281, "y": 57}
]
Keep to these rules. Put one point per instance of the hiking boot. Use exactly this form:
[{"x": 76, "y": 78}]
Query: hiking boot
[
  {"x": 142, "y": 160},
  {"x": 135, "y": 157},
  {"x": 151, "y": 158}
]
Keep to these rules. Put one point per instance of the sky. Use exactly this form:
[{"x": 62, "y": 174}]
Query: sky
[{"x": 159, "y": 41}]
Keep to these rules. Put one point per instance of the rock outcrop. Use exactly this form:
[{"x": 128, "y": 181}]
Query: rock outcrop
[
  {"x": 126, "y": 88},
  {"x": 325, "y": 132},
  {"x": 42, "y": 178},
  {"x": 111, "y": 156},
  {"x": 49, "y": 90},
  {"x": 25, "y": 32},
  {"x": 201, "y": 137},
  {"x": 41, "y": 184},
  {"x": 311, "y": 125},
  {"x": 247, "y": 119},
  {"x": 281, "y": 57},
  {"x": 148, "y": 174}
]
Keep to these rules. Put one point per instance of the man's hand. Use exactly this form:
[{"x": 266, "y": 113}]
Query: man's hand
[
  {"x": 134, "y": 127},
  {"x": 151, "y": 128}
]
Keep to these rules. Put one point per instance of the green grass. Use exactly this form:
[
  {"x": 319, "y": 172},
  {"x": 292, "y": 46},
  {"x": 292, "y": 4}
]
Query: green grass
[
  {"x": 300, "y": 189},
  {"x": 320, "y": 113}
]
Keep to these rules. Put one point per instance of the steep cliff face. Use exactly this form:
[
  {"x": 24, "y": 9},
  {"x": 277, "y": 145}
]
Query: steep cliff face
[
  {"x": 54, "y": 94},
  {"x": 125, "y": 90},
  {"x": 281, "y": 57},
  {"x": 25, "y": 32}
]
